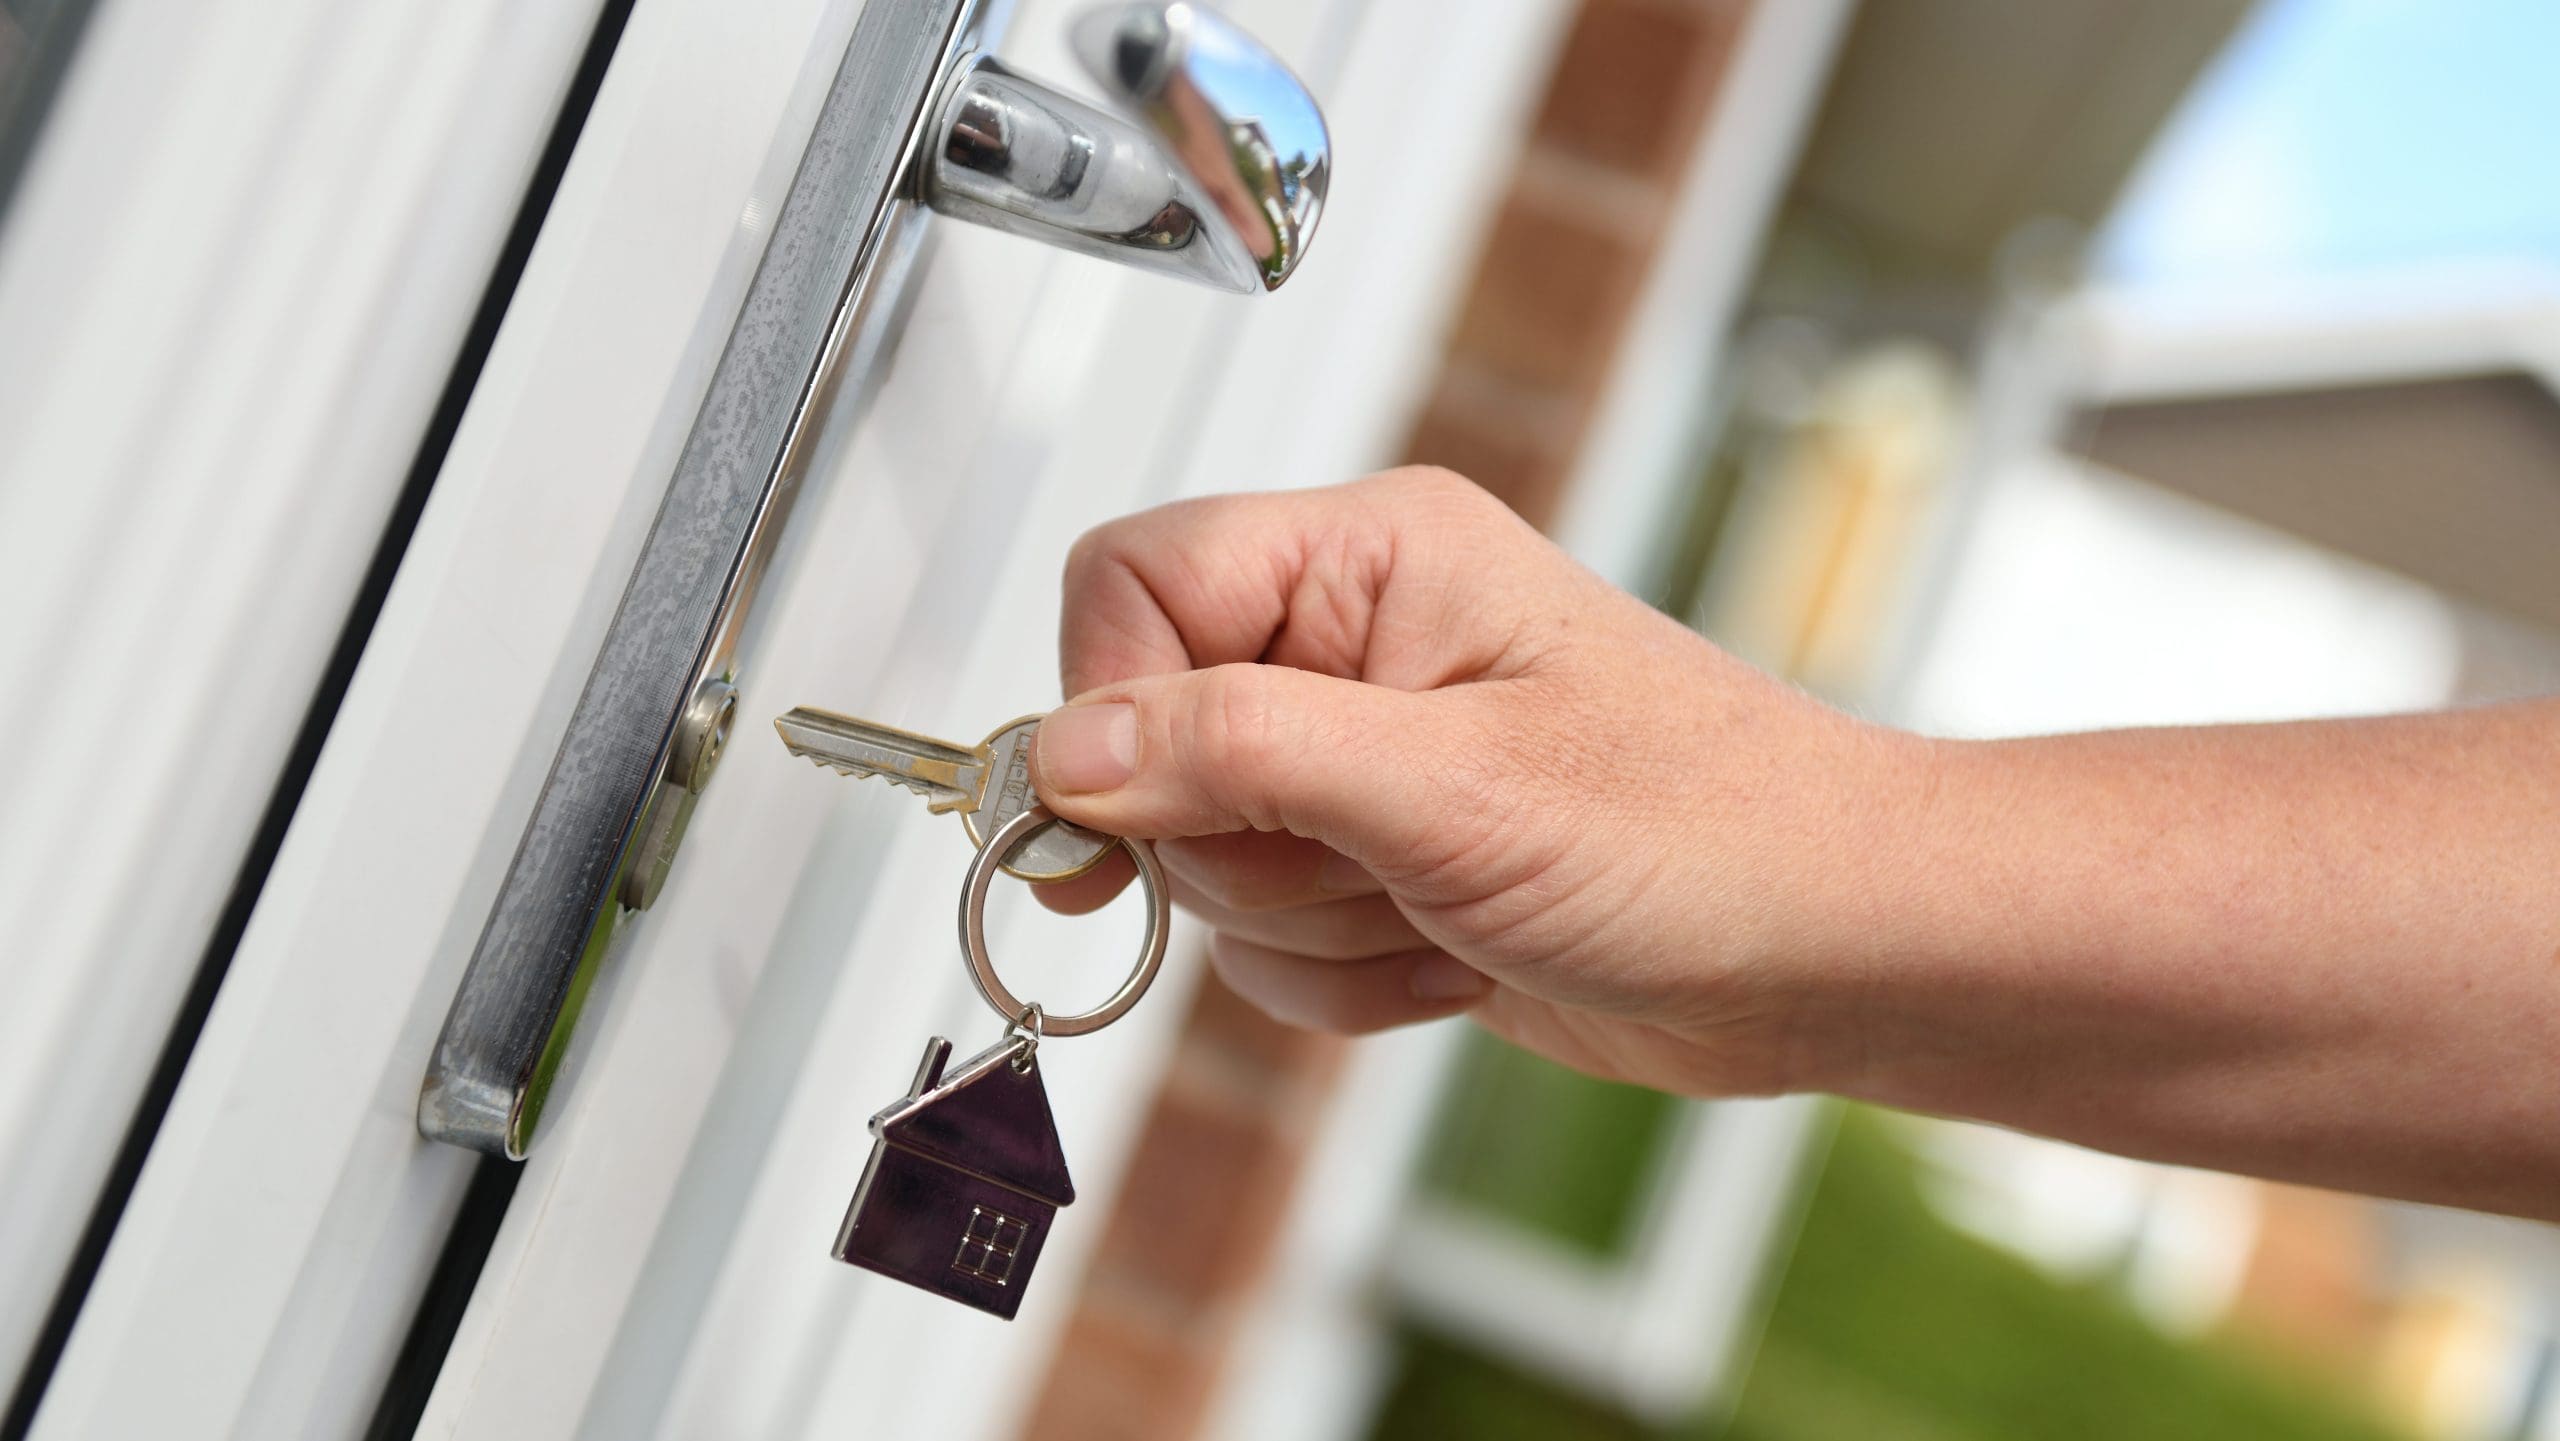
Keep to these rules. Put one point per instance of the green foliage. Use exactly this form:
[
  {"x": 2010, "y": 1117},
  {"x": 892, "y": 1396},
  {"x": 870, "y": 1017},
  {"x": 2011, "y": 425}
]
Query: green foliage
[
  {"x": 1443, "y": 1393},
  {"x": 1891, "y": 1326},
  {"x": 1548, "y": 1148}
]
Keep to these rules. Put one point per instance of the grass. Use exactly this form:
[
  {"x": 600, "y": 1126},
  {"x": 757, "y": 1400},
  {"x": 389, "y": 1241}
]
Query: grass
[
  {"x": 1888, "y": 1325},
  {"x": 1498, "y": 1149}
]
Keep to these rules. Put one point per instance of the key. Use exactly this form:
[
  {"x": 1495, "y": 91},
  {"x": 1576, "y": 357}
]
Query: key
[{"x": 988, "y": 783}]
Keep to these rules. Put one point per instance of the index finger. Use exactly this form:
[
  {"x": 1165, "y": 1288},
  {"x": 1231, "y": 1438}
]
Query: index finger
[
  {"x": 1295, "y": 578},
  {"x": 1180, "y": 587}
]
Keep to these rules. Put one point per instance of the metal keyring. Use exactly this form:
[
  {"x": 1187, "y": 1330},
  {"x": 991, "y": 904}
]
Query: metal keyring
[{"x": 973, "y": 931}]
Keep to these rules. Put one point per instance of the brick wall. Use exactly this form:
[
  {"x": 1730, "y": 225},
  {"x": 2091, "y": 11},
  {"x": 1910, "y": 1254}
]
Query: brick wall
[
  {"x": 1524, "y": 368},
  {"x": 1571, "y": 244}
]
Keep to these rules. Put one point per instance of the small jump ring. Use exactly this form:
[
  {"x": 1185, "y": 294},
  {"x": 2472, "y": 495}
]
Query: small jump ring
[
  {"x": 973, "y": 933},
  {"x": 1027, "y": 1027}
]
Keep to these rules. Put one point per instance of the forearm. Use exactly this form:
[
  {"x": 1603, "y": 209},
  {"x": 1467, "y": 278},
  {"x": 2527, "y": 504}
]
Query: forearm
[
  {"x": 2327, "y": 952},
  {"x": 1401, "y": 744}
]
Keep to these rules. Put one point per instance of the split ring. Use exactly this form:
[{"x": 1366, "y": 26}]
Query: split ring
[{"x": 973, "y": 931}]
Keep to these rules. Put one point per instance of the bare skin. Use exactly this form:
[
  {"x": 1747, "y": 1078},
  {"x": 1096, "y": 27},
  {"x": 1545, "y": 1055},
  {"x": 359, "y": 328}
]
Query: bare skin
[{"x": 1407, "y": 760}]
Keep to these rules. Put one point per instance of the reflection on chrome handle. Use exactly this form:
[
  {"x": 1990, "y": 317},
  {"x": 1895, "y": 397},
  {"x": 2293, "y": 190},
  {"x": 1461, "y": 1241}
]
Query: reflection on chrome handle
[{"x": 1217, "y": 174}]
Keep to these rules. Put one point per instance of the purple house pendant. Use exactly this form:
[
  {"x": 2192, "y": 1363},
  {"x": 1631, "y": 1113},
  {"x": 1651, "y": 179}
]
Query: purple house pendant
[{"x": 965, "y": 1176}]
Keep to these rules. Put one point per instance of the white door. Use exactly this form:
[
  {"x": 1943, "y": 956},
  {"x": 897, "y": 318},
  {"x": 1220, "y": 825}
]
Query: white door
[{"x": 294, "y": 1255}]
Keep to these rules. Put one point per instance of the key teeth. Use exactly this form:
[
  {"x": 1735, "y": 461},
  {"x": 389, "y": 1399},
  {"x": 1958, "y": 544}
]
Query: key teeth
[{"x": 824, "y": 764}]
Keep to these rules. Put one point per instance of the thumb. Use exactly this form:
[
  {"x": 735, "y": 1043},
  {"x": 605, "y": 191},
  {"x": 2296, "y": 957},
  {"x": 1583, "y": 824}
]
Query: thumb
[{"x": 1373, "y": 772}]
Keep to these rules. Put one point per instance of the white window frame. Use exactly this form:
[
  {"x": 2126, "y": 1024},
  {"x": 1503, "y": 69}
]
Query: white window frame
[
  {"x": 235, "y": 278},
  {"x": 685, "y": 1148},
  {"x": 790, "y": 1348}
]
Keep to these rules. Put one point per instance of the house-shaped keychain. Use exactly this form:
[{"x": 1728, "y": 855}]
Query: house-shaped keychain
[{"x": 965, "y": 1176}]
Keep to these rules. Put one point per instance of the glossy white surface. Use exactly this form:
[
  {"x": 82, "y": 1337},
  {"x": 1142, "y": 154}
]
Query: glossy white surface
[
  {"x": 232, "y": 287},
  {"x": 271, "y": 1259},
  {"x": 663, "y": 1269}
]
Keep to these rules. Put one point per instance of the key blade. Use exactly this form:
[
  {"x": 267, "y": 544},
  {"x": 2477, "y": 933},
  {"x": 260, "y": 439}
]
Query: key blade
[{"x": 949, "y": 777}]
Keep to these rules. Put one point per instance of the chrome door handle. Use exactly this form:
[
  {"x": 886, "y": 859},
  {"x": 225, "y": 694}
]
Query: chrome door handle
[
  {"x": 1219, "y": 177},
  {"x": 1217, "y": 174}
]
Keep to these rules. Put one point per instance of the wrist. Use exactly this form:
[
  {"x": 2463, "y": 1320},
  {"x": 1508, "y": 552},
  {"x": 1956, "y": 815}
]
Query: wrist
[{"x": 1866, "y": 908}]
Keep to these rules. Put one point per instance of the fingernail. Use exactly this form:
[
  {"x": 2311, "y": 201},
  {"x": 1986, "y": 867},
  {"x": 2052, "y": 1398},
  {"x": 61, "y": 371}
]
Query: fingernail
[
  {"x": 1088, "y": 748},
  {"x": 1439, "y": 978},
  {"x": 1340, "y": 875}
]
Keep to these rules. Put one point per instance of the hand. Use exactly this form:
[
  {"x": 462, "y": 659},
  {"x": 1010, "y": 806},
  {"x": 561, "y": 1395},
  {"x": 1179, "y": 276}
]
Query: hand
[{"x": 1406, "y": 759}]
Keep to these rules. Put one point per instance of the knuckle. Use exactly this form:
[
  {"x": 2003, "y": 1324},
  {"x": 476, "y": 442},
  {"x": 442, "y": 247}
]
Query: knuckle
[
  {"x": 1460, "y": 514},
  {"x": 1434, "y": 482},
  {"x": 1235, "y": 733},
  {"x": 1094, "y": 554},
  {"x": 1491, "y": 781},
  {"x": 1446, "y": 494}
]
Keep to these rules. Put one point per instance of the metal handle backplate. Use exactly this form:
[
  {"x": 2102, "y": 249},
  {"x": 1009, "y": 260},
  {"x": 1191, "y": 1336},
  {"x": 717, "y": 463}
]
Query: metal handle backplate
[{"x": 1214, "y": 169}]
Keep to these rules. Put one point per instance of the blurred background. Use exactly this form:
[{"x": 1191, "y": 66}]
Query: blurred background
[
  {"x": 1986, "y": 366},
  {"x": 2097, "y": 365}
]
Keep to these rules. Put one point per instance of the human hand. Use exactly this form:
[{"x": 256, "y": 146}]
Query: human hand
[{"x": 1406, "y": 759}]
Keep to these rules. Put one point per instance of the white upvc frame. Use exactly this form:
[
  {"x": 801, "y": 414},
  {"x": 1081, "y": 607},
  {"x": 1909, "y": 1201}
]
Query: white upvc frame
[
  {"x": 662, "y": 1268},
  {"x": 2122, "y": 345},
  {"x": 608, "y": 1314},
  {"x": 275, "y": 1248},
  {"x": 234, "y": 281},
  {"x": 1663, "y": 1327}
]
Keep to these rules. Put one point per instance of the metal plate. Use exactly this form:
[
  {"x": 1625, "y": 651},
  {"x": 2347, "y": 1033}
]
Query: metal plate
[{"x": 808, "y": 340}]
